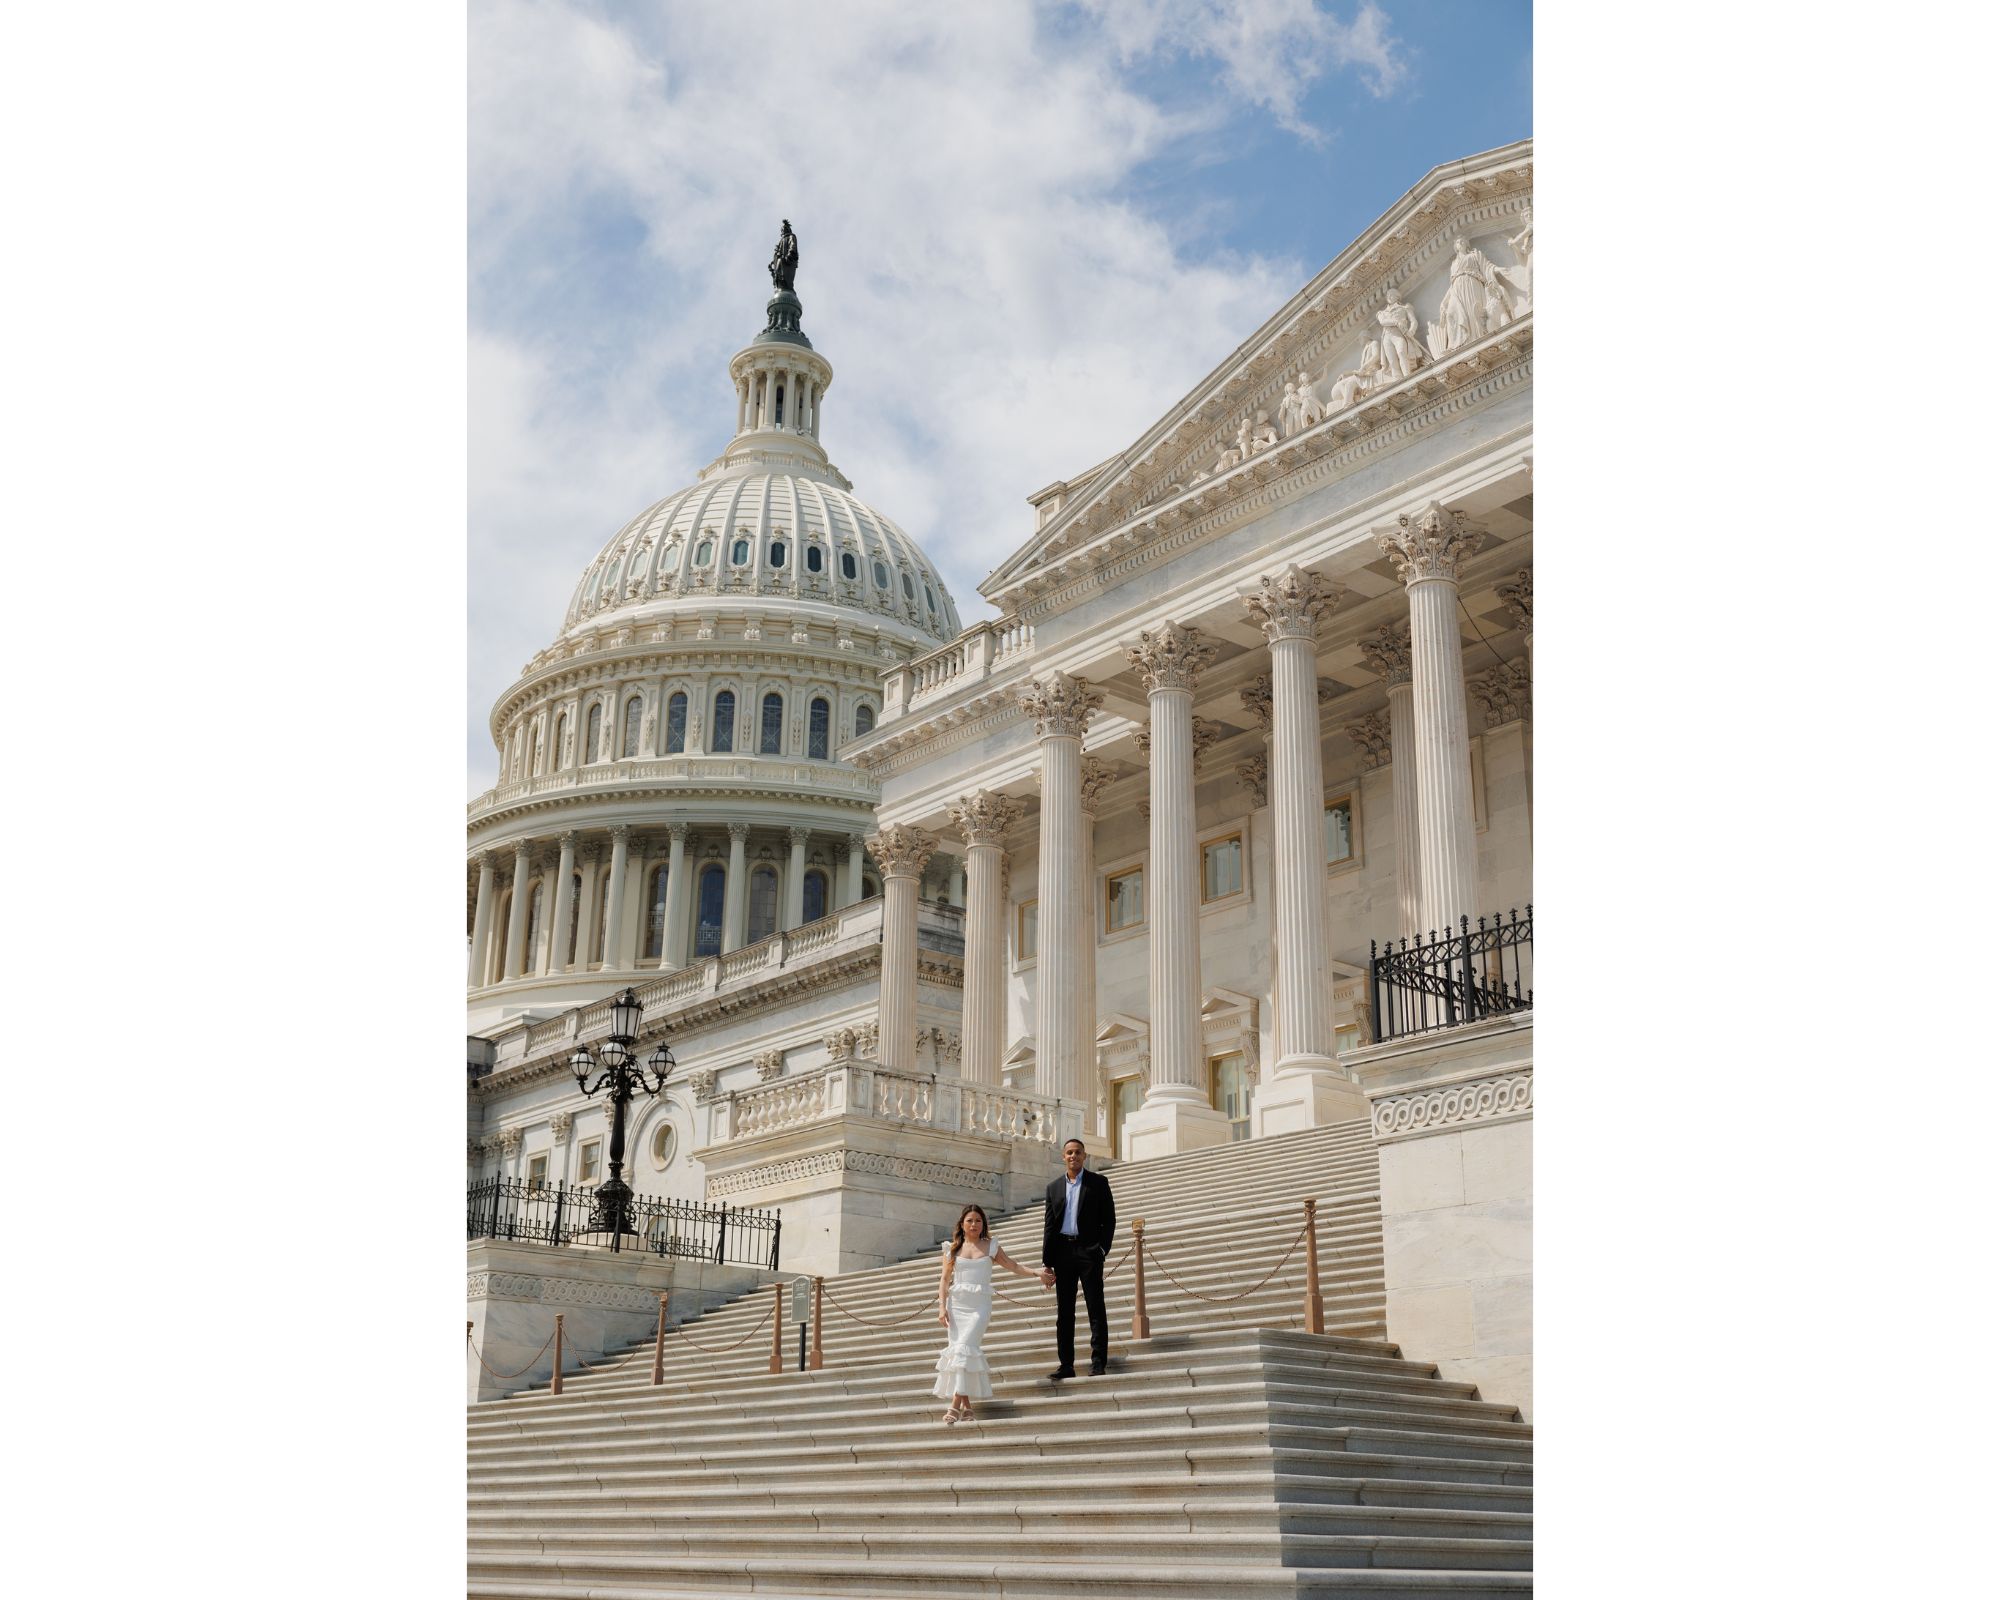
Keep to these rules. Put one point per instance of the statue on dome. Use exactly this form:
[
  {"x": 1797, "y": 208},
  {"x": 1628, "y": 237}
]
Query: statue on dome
[{"x": 785, "y": 259}]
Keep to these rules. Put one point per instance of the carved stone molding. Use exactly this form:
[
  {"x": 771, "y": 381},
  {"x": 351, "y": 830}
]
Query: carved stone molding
[
  {"x": 1170, "y": 657},
  {"x": 1060, "y": 705},
  {"x": 1387, "y": 652},
  {"x": 739, "y": 832},
  {"x": 982, "y": 817},
  {"x": 1291, "y": 604},
  {"x": 1256, "y": 697},
  {"x": 1255, "y": 775},
  {"x": 1371, "y": 736},
  {"x": 475, "y": 1149},
  {"x": 1096, "y": 778},
  {"x": 863, "y": 1161},
  {"x": 559, "y": 1126},
  {"x": 678, "y": 830},
  {"x": 511, "y": 1138},
  {"x": 1506, "y": 1095},
  {"x": 1519, "y": 593},
  {"x": 900, "y": 850},
  {"x": 1501, "y": 693},
  {"x": 839, "y": 1044},
  {"x": 1430, "y": 545},
  {"x": 769, "y": 1064},
  {"x": 867, "y": 1037},
  {"x": 703, "y": 1084}
]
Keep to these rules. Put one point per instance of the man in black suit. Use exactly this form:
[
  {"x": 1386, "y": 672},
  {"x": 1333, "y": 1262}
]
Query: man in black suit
[{"x": 1079, "y": 1221}]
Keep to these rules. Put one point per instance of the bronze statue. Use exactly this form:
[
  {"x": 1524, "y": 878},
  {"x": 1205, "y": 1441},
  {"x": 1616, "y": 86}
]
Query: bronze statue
[{"x": 785, "y": 259}]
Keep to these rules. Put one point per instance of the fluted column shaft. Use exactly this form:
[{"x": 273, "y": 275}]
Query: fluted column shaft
[
  {"x": 795, "y": 881},
  {"x": 587, "y": 917},
  {"x": 1061, "y": 706},
  {"x": 901, "y": 853},
  {"x": 764, "y": 417},
  {"x": 735, "y": 892},
  {"x": 614, "y": 901},
  {"x": 558, "y": 958},
  {"x": 674, "y": 936},
  {"x": 983, "y": 818},
  {"x": 850, "y": 887},
  {"x": 1403, "y": 795},
  {"x": 482, "y": 924},
  {"x": 517, "y": 914}
]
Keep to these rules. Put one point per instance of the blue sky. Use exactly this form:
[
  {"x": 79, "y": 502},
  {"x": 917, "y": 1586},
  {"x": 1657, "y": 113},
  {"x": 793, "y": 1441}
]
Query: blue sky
[{"x": 1025, "y": 231}]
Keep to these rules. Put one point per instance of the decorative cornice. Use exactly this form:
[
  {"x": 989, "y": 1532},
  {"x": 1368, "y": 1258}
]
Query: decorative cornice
[
  {"x": 1060, "y": 705},
  {"x": 983, "y": 817},
  {"x": 1387, "y": 652},
  {"x": 1429, "y": 546},
  {"x": 1506, "y": 1096},
  {"x": 1170, "y": 657},
  {"x": 1371, "y": 736},
  {"x": 1291, "y": 604},
  {"x": 900, "y": 850}
]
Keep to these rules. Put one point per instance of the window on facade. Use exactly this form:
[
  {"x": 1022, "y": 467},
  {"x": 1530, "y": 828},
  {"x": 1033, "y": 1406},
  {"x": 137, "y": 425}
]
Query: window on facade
[
  {"x": 661, "y": 1145},
  {"x": 722, "y": 737},
  {"x": 815, "y": 558},
  {"x": 871, "y": 886},
  {"x": 535, "y": 754},
  {"x": 575, "y": 899},
  {"x": 656, "y": 916},
  {"x": 777, "y": 552},
  {"x": 1127, "y": 1095},
  {"x": 909, "y": 593},
  {"x": 708, "y": 911},
  {"x": 1027, "y": 930},
  {"x": 864, "y": 720},
  {"x": 739, "y": 553},
  {"x": 930, "y": 599},
  {"x": 531, "y": 955},
  {"x": 819, "y": 724},
  {"x": 1229, "y": 1091},
  {"x": 593, "y": 732},
  {"x": 849, "y": 569},
  {"x": 778, "y": 411},
  {"x": 588, "y": 1160},
  {"x": 763, "y": 904},
  {"x": 704, "y": 553},
  {"x": 677, "y": 723},
  {"x": 1125, "y": 899},
  {"x": 815, "y": 896},
  {"x": 538, "y": 1171},
  {"x": 634, "y": 710},
  {"x": 1340, "y": 829},
  {"x": 1222, "y": 867},
  {"x": 771, "y": 728},
  {"x": 881, "y": 576}
]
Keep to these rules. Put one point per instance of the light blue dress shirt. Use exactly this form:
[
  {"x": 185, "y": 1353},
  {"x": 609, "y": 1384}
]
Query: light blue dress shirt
[{"x": 1073, "y": 1188}]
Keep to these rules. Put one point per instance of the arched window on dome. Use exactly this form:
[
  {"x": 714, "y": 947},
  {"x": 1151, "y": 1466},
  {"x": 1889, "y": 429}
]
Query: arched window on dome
[
  {"x": 739, "y": 553},
  {"x": 722, "y": 737},
  {"x": 778, "y": 408},
  {"x": 531, "y": 957},
  {"x": 849, "y": 568},
  {"x": 496, "y": 955},
  {"x": 704, "y": 553},
  {"x": 593, "y": 733},
  {"x": 881, "y": 576},
  {"x": 555, "y": 749},
  {"x": 656, "y": 915},
  {"x": 815, "y": 897},
  {"x": 575, "y": 901},
  {"x": 864, "y": 720},
  {"x": 771, "y": 730},
  {"x": 763, "y": 904},
  {"x": 777, "y": 553},
  {"x": 930, "y": 599},
  {"x": 535, "y": 754},
  {"x": 708, "y": 910},
  {"x": 818, "y": 728},
  {"x": 634, "y": 710},
  {"x": 677, "y": 723},
  {"x": 909, "y": 592},
  {"x": 815, "y": 558}
]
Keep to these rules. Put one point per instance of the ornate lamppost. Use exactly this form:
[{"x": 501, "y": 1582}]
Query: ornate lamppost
[{"x": 621, "y": 1075}]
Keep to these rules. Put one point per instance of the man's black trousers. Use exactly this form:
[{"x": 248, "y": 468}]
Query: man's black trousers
[{"x": 1077, "y": 1264}]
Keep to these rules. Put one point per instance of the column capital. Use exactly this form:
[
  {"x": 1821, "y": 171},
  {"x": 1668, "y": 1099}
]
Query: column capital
[
  {"x": 738, "y": 832},
  {"x": 1519, "y": 593},
  {"x": 559, "y": 1126},
  {"x": 1430, "y": 545},
  {"x": 901, "y": 851},
  {"x": 620, "y": 832},
  {"x": 984, "y": 816},
  {"x": 798, "y": 837},
  {"x": 1291, "y": 604},
  {"x": 1060, "y": 705},
  {"x": 678, "y": 831},
  {"x": 524, "y": 850},
  {"x": 1371, "y": 736},
  {"x": 1256, "y": 698},
  {"x": 487, "y": 859},
  {"x": 1387, "y": 652},
  {"x": 1169, "y": 657},
  {"x": 510, "y": 1139},
  {"x": 1501, "y": 693},
  {"x": 566, "y": 840},
  {"x": 1255, "y": 775},
  {"x": 1097, "y": 776}
]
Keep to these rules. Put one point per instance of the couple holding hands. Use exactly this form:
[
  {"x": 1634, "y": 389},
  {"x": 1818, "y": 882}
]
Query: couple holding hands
[{"x": 1078, "y": 1222}]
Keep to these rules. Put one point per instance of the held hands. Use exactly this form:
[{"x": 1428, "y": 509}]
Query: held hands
[{"x": 1048, "y": 1277}]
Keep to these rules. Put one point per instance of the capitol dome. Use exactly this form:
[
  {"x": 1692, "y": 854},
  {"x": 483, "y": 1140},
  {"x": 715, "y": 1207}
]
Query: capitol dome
[{"x": 669, "y": 783}]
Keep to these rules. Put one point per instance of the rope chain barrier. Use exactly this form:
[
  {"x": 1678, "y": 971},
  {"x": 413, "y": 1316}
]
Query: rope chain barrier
[
  {"x": 1228, "y": 1299},
  {"x": 723, "y": 1350},
  {"x": 504, "y": 1376},
  {"x": 868, "y": 1322}
]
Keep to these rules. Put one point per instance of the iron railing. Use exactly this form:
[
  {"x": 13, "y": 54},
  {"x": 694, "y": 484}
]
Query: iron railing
[
  {"x": 560, "y": 1214},
  {"x": 1445, "y": 981}
]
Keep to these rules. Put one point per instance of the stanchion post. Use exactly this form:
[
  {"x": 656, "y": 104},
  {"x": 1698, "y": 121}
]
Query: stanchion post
[
  {"x": 555, "y": 1383},
  {"x": 1142, "y": 1327},
  {"x": 1315, "y": 1307},
  {"x": 777, "y": 1327},
  {"x": 660, "y": 1345},
  {"x": 817, "y": 1359}
]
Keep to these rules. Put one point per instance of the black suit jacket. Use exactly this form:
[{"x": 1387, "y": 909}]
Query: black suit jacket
[{"x": 1096, "y": 1216}]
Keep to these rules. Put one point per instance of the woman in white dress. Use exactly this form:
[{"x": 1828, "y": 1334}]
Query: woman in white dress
[{"x": 965, "y": 1306}]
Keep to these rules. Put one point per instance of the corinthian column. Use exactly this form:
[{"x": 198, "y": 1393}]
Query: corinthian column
[
  {"x": 795, "y": 879},
  {"x": 1308, "y": 1088},
  {"x": 559, "y": 924},
  {"x": 983, "y": 818},
  {"x": 517, "y": 914},
  {"x": 1061, "y": 705},
  {"x": 901, "y": 853},
  {"x": 1097, "y": 777},
  {"x": 482, "y": 922},
  {"x": 1427, "y": 550},
  {"x": 673, "y": 946},
  {"x": 1387, "y": 652},
  {"x": 614, "y": 899},
  {"x": 850, "y": 880},
  {"x": 736, "y": 891},
  {"x": 1176, "y": 1114}
]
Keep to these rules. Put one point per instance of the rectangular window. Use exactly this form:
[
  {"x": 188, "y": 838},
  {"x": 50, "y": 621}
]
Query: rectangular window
[
  {"x": 1222, "y": 867},
  {"x": 586, "y": 1161},
  {"x": 1027, "y": 931},
  {"x": 538, "y": 1171},
  {"x": 1229, "y": 1091},
  {"x": 1125, "y": 899},
  {"x": 1340, "y": 829}
]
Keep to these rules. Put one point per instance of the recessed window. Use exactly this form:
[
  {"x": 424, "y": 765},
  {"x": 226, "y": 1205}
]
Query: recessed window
[
  {"x": 708, "y": 911},
  {"x": 634, "y": 709},
  {"x": 588, "y": 1160},
  {"x": 722, "y": 737},
  {"x": 739, "y": 553},
  {"x": 1125, "y": 899},
  {"x": 677, "y": 723},
  {"x": 777, "y": 552},
  {"x": 848, "y": 569},
  {"x": 1340, "y": 829},
  {"x": 656, "y": 920},
  {"x": 909, "y": 593},
  {"x": 593, "y": 733},
  {"x": 555, "y": 749},
  {"x": 1222, "y": 867},
  {"x": 864, "y": 720},
  {"x": 871, "y": 886},
  {"x": 763, "y": 904},
  {"x": 1229, "y": 1091},
  {"x": 930, "y": 599},
  {"x": 532, "y": 954},
  {"x": 815, "y": 558},
  {"x": 1027, "y": 930},
  {"x": 538, "y": 1171},
  {"x": 818, "y": 730},
  {"x": 771, "y": 731},
  {"x": 661, "y": 1146},
  {"x": 815, "y": 897},
  {"x": 881, "y": 576},
  {"x": 704, "y": 553},
  {"x": 575, "y": 901}
]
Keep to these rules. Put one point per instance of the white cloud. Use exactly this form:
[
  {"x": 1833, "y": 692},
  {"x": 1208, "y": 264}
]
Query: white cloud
[{"x": 997, "y": 313}]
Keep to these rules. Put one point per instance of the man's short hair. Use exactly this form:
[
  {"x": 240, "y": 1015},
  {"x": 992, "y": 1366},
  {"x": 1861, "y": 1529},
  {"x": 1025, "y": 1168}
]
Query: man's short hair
[{"x": 1078, "y": 1143}]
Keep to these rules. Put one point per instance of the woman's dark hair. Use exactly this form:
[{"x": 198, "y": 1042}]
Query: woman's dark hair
[{"x": 958, "y": 1233}]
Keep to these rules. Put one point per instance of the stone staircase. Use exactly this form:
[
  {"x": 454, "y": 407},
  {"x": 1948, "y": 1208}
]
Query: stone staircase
[{"x": 1229, "y": 1454}]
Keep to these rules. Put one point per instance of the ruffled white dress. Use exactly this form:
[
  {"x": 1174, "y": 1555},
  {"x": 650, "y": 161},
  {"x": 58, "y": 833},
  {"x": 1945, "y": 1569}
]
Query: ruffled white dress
[{"x": 962, "y": 1368}]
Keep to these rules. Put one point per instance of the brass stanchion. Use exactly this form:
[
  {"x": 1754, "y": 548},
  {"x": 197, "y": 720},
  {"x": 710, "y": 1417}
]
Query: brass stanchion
[
  {"x": 555, "y": 1384},
  {"x": 817, "y": 1359},
  {"x": 660, "y": 1345},
  {"x": 1142, "y": 1327},
  {"x": 777, "y": 1327},
  {"x": 1315, "y": 1308}
]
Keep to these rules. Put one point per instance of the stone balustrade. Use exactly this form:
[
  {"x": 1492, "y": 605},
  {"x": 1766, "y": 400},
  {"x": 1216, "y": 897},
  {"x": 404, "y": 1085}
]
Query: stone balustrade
[
  {"x": 975, "y": 655},
  {"x": 815, "y": 777},
  {"x": 863, "y": 1090}
]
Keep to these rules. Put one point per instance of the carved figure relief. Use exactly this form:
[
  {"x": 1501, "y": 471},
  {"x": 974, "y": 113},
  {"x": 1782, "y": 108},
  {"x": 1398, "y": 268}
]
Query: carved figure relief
[
  {"x": 1288, "y": 410},
  {"x": 1395, "y": 352},
  {"x": 1477, "y": 303},
  {"x": 1309, "y": 408},
  {"x": 1263, "y": 436}
]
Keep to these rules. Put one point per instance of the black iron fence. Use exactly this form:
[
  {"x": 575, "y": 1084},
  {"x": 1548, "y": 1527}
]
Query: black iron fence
[
  {"x": 560, "y": 1214},
  {"x": 1484, "y": 970}
]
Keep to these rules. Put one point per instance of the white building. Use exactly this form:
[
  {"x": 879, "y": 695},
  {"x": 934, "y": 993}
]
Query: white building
[{"x": 1258, "y": 699}]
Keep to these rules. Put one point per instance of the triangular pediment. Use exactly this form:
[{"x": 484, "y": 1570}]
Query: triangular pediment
[
  {"x": 1120, "y": 1025},
  {"x": 1180, "y": 467}
]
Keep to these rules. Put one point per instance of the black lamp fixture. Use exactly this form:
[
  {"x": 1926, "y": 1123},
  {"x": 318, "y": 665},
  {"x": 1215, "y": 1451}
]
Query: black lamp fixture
[{"x": 620, "y": 1075}]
